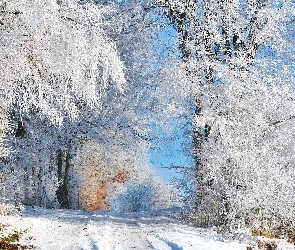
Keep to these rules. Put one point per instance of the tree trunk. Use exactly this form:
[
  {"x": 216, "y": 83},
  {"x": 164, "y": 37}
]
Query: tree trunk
[{"x": 63, "y": 168}]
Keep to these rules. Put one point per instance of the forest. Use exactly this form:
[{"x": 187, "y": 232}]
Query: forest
[{"x": 90, "y": 87}]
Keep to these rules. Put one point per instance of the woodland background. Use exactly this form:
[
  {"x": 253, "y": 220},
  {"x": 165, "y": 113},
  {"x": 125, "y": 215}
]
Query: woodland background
[{"x": 87, "y": 88}]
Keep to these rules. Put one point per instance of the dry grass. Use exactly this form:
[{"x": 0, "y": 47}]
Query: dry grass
[
  {"x": 267, "y": 245},
  {"x": 291, "y": 236},
  {"x": 266, "y": 232},
  {"x": 8, "y": 242},
  {"x": 280, "y": 233},
  {"x": 12, "y": 246}
]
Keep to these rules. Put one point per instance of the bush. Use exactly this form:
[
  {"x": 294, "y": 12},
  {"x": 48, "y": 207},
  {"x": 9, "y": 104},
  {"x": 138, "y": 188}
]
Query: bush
[
  {"x": 137, "y": 197},
  {"x": 9, "y": 209}
]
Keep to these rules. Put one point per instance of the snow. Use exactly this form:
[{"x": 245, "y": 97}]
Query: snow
[{"x": 76, "y": 229}]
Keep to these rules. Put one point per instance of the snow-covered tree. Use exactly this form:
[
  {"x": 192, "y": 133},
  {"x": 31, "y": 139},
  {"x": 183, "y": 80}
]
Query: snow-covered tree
[
  {"x": 103, "y": 131},
  {"x": 56, "y": 64},
  {"x": 55, "y": 57},
  {"x": 238, "y": 56}
]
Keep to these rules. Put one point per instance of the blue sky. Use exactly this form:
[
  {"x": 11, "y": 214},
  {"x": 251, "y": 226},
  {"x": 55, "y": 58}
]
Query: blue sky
[
  {"x": 169, "y": 149},
  {"x": 171, "y": 152}
]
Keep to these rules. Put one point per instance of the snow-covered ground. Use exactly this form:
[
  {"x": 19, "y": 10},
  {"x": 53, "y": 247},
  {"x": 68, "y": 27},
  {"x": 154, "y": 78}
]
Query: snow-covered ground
[{"x": 75, "y": 229}]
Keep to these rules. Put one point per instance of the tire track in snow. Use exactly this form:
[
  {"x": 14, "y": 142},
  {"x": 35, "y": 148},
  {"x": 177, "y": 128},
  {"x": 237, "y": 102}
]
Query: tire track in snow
[{"x": 117, "y": 236}]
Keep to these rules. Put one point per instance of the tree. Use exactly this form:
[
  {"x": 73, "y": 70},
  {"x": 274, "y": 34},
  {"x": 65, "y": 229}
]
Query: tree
[
  {"x": 232, "y": 51},
  {"x": 51, "y": 55},
  {"x": 102, "y": 131},
  {"x": 56, "y": 61}
]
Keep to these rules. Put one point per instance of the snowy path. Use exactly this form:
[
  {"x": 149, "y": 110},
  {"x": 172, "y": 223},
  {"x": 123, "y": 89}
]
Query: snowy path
[{"x": 69, "y": 230}]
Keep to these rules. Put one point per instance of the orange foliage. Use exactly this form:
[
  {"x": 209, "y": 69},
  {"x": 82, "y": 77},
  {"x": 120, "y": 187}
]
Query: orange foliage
[
  {"x": 94, "y": 196},
  {"x": 268, "y": 233}
]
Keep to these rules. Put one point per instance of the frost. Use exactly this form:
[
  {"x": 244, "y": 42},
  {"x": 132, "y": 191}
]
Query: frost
[
  {"x": 88, "y": 88},
  {"x": 55, "y": 54}
]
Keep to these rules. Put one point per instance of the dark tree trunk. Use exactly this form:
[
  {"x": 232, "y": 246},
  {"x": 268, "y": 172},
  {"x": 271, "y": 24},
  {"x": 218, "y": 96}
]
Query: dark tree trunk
[{"x": 63, "y": 167}]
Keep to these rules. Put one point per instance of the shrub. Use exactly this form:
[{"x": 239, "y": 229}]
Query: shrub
[{"x": 136, "y": 198}]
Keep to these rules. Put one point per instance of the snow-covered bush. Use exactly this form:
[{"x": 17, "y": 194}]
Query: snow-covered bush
[
  {"x": 8, "y": 208},
  {"x": 145, "y": 191},
  {"x": 136, "y": 198}
]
